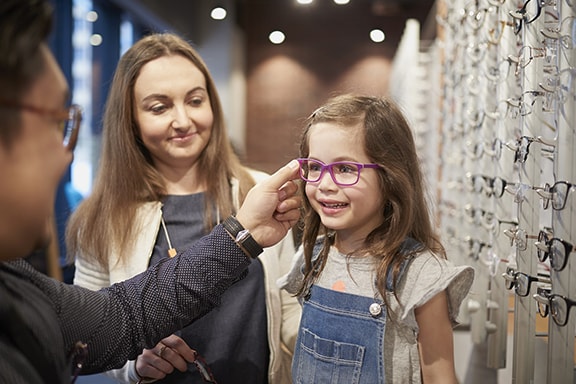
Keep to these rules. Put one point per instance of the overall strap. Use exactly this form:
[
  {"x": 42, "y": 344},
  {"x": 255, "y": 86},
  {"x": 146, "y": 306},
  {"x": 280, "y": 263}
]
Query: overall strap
[{"x": 408, "y": 248}]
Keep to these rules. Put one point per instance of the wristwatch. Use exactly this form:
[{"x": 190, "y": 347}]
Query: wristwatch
[{"x": 242, "y": 237}]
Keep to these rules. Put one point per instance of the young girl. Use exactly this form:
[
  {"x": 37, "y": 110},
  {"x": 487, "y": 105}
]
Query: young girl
[{"x": 379, "y": 297}]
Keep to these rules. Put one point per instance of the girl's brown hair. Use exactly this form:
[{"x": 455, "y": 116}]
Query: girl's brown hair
[{"x": 388, "y": 141}]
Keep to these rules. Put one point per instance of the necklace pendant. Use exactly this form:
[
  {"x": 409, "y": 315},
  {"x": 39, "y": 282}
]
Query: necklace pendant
[
  {"x": 375, "y": 309},
  {"x": 172, "y": 252}
]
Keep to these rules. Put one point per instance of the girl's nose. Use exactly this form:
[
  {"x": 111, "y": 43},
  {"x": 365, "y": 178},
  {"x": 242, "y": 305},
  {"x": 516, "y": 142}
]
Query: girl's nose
[{"x": 326, "y": 182}]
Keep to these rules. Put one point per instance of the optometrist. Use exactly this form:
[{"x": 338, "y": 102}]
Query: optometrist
[{"x": 50, "y": 331}]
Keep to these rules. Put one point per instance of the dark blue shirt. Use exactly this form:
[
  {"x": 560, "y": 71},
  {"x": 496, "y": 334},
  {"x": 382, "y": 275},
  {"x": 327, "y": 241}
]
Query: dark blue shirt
[{"x": 233, "y": 337}]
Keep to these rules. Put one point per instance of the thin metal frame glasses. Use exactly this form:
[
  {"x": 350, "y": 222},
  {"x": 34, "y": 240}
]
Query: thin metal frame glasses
[{"x": 343, "y": 173}]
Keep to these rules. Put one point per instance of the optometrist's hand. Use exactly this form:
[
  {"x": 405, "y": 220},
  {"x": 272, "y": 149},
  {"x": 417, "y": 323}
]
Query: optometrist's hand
[
  {"x": 172, "y": 352},
  {"x": 272, "y": 206}
]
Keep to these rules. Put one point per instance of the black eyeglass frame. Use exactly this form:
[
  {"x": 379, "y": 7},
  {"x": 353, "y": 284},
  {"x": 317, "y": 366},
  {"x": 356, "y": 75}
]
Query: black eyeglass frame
[
  {"x": 545, "y": 242},
  {"x": 549, "y": 192},
  {"x": 512, "y": 281},
  {"x": 553, "y": 308}
]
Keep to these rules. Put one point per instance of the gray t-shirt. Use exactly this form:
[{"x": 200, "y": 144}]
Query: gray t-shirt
[{"x": 424, "y": 277}]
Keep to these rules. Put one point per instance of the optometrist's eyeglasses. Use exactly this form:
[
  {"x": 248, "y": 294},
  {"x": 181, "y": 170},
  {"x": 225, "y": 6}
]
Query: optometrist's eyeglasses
[
  {"x": 69, "y": 119},
  {"x": 343, "y": 173}
]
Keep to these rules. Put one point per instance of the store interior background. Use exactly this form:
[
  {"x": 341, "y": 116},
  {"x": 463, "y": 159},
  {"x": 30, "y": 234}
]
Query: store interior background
[{"x": 267, "y": 90}]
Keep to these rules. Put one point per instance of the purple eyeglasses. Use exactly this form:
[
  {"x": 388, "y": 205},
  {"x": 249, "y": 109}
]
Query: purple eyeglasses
[{"x": 343, "y": 173}]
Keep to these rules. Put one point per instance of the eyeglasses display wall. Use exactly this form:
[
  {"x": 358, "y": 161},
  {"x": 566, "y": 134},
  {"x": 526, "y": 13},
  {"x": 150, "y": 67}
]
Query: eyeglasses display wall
[{"x": 506, "y": 182}]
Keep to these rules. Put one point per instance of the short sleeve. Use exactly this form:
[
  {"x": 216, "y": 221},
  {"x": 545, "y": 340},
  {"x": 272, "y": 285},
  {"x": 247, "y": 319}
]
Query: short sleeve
[{"x": 426, "y": 276}]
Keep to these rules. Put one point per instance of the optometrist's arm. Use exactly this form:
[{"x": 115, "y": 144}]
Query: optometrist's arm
[{"x": 118, "y": 322}]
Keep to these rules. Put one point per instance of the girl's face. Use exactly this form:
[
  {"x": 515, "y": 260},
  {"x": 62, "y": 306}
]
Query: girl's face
[
  {"x": 173, "y": 112},
  {"x": 351, "y": 211}
]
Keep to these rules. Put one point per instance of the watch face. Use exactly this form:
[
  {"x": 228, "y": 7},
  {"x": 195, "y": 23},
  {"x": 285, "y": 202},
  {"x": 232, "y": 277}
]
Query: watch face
[{"x": 242, "y": 235}]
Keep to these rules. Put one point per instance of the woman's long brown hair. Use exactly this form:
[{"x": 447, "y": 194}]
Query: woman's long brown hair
[{"x": 127, "y": 178}]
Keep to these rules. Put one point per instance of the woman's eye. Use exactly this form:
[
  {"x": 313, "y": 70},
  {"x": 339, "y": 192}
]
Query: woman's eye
[
  {"x": 196, "y": 101},
  {"x": 159, "y": 108}
]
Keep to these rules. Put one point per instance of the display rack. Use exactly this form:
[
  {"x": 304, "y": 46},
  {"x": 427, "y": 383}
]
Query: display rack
[{"x": 502, "y": 73}]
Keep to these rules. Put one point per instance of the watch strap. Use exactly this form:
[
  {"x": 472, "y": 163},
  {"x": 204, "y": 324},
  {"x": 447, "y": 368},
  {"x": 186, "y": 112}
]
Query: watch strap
[{"x": 242, "y": 237}]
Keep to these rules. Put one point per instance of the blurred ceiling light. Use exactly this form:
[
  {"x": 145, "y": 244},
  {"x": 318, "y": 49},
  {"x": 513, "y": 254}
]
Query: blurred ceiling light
[
  {"x": 96, "y": 40},
  {"x": 377, "y": 36},
  {"x": 304, "y": 1},
  {"x": 276, "y": 37},
  {"x": 92, "y": 16},
  {"x": 341, "y": 2},
  {"x": 218, "y": 13}
]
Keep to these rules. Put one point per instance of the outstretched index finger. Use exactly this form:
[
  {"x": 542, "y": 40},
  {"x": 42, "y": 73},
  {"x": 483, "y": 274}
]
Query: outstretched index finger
[{"x": 281, "y": 176}]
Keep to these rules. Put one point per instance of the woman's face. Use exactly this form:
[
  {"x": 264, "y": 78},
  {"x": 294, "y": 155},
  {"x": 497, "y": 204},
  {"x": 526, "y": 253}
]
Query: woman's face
[
  {"x": 173, "y": 111},
  {"x": 351, "y": 211}
]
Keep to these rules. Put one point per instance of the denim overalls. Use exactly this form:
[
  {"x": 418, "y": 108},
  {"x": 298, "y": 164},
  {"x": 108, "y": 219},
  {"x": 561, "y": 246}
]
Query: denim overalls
[
  {"x": 341, "y": 337},
  {"x": 333, "y": 354}
]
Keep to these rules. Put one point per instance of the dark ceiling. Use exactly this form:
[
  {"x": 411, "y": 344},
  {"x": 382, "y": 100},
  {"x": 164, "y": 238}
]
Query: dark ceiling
[{"x": 298, "y": 22}]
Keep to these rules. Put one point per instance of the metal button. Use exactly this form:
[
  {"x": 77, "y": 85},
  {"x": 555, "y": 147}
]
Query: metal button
[{"x": 375, "y": 309}]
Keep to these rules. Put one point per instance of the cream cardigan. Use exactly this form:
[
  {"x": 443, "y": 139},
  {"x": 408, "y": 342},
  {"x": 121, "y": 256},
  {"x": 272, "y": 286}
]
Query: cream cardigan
[{"x": 282, "y": 309}]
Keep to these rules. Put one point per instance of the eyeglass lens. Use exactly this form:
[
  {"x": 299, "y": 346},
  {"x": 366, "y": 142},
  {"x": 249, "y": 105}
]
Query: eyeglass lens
[
  {"x": 70, "y": 127},
  {"x": 560, "y": 308}
]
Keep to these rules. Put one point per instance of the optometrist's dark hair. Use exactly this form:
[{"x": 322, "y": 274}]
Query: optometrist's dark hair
[
  {"x": 24, "y": 26},
  {"x": 388, "y": 141}
]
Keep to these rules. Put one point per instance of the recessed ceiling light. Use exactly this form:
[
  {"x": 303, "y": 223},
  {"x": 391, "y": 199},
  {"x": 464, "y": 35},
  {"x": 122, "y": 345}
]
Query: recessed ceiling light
[
  {"x": 276, "y": 37},
  {"x": 218, "y": 13},
  {"x": 377, "y": 35}
]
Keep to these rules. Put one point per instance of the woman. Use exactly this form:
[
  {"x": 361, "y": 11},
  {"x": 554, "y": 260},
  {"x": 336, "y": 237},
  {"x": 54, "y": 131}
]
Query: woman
[{"x": 167, "y": 176}]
